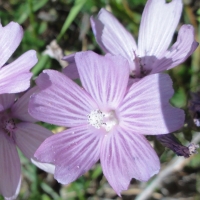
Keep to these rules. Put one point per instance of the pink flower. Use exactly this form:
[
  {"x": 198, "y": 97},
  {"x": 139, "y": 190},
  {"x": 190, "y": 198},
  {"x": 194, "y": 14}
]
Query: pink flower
[
  {"x": 14, "y": 77},
  {"x": 107, "y": 121},
  {"x": 152, "y": 54},
  {"x": 17, "y": 129}
]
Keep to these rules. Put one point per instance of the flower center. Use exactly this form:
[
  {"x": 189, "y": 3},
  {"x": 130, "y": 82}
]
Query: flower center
[
  {"x": 99, "y": 119},
  {"x": 7, "y": 124}
]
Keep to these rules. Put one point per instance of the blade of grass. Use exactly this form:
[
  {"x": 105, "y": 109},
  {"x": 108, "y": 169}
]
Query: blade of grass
[
  {"x": 70, "y": 18},
  {"x": 43, "y": 63}
]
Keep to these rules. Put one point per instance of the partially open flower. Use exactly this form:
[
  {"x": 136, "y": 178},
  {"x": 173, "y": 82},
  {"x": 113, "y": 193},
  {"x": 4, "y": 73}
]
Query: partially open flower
[
  {"x": 152, "y": 54},
  {"x": 171, "y": 142}
]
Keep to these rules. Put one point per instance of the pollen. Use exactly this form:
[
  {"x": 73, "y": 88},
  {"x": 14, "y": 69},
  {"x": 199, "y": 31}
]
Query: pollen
[
  {"x": 95, "y": 118},
  {"x": 99, "y": 119}
]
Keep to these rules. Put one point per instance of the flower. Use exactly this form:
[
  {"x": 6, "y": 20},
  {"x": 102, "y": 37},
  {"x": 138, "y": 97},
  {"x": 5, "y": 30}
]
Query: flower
[
  {"x": 105, "y": 120},
  {"x": 152, "y": 54},
  {"x": 14, "y": 77},
  {"x": 17, "y": 129}
]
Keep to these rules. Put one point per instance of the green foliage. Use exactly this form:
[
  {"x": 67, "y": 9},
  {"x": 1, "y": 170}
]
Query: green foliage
[
  {"x": 195, "y": 162},
  {"x": 72, "y": 14},
  {"x": 198, "y": 15},
  {"x": 179, "y": 98}
]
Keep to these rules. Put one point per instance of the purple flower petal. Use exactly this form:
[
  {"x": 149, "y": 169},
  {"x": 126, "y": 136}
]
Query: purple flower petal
[
  {"x": 113, "y": 37},
  {"x": 180, "y": 51},
  {"x": 146, "y": 108},
  {"x": 11, "y": 36},
  {"x": 47, "y": 167},
  {"x": 15, "y": 77},
  {"x": 28, "y": 138},
  {"x": 10, "y": 169},
  {"x": 71, "y": 70},
  {"x": 6, "y": 101},
  {"x": 19, "y": 109},
  {"x": 159, "y": 21},
  {"x": 69, "y": 58},
  {"x": 97, "y": 28},
  {"x": 105, "y": 78},
  {"x": 61, "y": 101},
  {"x": 73, "y": 152},
  {"x": 126, "y": 155}
]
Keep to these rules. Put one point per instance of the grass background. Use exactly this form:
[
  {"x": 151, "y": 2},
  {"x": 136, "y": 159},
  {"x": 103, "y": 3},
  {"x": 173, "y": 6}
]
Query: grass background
[{"x": 67, "y": 22}]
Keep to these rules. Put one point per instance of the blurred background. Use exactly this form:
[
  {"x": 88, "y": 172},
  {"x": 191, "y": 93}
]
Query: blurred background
[{"x": 60, "y": 27}]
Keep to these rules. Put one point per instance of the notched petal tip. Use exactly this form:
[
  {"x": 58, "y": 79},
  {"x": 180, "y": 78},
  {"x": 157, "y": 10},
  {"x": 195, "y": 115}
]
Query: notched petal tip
[
  {"x": 15, "y": 24},
  {"x": 69, "y": 58},
  {"x": 32, "y": 54},
  {"x": 43, "y": 81},
  {"x": 15, "y": 28}
]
